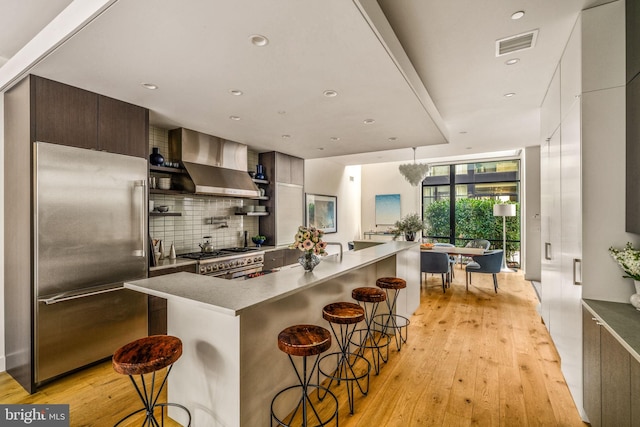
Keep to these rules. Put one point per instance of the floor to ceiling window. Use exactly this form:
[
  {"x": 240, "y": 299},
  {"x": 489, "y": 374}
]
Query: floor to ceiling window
[{"x": 458, "y": 199}]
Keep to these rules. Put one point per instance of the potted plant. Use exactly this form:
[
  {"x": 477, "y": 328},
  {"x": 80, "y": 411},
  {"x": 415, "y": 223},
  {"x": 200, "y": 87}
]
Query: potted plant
[{"x": 408, "y": 226}]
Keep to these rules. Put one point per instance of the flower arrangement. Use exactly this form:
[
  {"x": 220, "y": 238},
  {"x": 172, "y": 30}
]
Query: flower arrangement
[
  {"x": 408, "y": 225},
  {"x": 309, "y": 240},
  {"x": 628, "y": 259}
]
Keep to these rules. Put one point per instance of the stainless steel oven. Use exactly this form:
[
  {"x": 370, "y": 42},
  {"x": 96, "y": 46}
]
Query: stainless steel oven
[{"x": 228, "y": 263}]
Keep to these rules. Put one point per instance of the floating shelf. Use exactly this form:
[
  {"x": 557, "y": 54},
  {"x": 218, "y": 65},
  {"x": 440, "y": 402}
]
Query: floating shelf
[
  {"x": 260, "y": 181},
  {"x": 165, "y": 169},
  {"x": 174, "y": 192},
  {"x": 262, "y": 198},
  {"x": 165, "y": 213},
  {"x": 253, "y": 213}
]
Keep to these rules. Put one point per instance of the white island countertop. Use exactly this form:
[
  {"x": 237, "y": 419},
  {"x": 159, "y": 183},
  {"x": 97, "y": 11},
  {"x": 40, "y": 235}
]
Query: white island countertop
[{"x": 232, "y": 297}]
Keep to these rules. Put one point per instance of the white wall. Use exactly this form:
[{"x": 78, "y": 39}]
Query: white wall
[
  {"x": 329, "y": 178},
  {"x": 384, "y": 178},
  {"x": 603, "y": 153}
]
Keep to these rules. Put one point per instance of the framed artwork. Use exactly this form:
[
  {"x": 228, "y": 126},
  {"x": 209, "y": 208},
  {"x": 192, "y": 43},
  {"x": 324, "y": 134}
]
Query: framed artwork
[
  {"x": 322, "y": 212},
  {"x": 387, "y": 209}
]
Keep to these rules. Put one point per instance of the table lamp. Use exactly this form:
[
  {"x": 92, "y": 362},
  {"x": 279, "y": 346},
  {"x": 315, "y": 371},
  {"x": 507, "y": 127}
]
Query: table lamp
[{"x": 504, "y": 210}]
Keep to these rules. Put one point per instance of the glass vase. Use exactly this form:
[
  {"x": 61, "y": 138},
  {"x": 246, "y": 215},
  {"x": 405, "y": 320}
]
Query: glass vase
[
  {"x": 155, "y": 158},
  {"x": 308, "y": 261}
]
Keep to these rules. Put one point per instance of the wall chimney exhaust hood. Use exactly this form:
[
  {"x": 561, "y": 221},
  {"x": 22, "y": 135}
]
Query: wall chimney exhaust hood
[{"x": 214, "y": 166}]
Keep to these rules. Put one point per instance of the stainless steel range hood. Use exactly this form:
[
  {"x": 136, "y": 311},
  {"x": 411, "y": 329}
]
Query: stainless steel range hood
[{"x": 215, "y": 166}]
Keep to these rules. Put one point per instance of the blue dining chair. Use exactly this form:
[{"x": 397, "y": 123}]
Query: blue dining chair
[
  {"x": 489, "y": 263},
  {"x": 452, "y": 258},
  {"x": 436, "y": 262}
]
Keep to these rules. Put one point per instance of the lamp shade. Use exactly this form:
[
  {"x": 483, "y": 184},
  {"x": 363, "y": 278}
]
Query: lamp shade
[{"x": 504, "y": 210}]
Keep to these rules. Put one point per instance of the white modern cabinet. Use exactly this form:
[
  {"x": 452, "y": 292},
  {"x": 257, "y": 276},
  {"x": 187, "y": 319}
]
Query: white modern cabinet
[{"x": 561, "y": 210}]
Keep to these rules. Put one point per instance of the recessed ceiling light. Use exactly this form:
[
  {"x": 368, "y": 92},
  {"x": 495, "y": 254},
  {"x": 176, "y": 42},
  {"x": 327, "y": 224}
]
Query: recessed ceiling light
[
  {"x": 469, "y": 148},
  {"x": 335, "y": 138},
  {"x": 285, "y": 136},
  {"x": 236, "y": 92},
  {"x": 510, "y": 94},
  {"x": 330, "y": 93},
  {"x": 517, "y": 15},
  {"x": 512, "y": 61},
  {"x": 369, "y": 121},
  {"x": 259, "y": 40},
  {"x": 393, "y": 138},
  {"x": 320, "y": 149},
  {"x": 149, "y": 86},
  {"x": 236, "y": 118},
  {"x": 282, "y": 112}
]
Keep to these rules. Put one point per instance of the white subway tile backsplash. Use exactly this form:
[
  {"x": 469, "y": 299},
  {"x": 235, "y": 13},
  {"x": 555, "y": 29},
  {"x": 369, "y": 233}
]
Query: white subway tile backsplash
[{"x": 187, "y": 231}]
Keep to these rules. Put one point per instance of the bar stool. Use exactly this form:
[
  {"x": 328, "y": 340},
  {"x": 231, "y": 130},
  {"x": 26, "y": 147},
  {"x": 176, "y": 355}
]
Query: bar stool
[
  {"x": 144, "y": 356},
  {"x": 391, "y": 320},
  {"x": 341, "y": 365},
  {"x": 370, "y": 339},
  {"x": 304, "y": 341}
]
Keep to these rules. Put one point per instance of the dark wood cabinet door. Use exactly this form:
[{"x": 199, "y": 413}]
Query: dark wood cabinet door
[
  {"x": 123, "y": 128},
  {"x": 283, "y": 168},
  {"x": 634, "y": 366},
  {"x": 591, "y": 375},
  {"x": 291, "y": 256},
  {"x": 273, "y": 259},
  {"x": 64, "y": 114},
  {"x": 616, "y": 384},
  {"x": 632, "y": 205}
]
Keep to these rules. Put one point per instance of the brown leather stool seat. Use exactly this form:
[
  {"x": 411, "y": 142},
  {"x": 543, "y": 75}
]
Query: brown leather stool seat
[
  {"x": 368, "y": 338},
  {"x": 391, "y": 283},
  {"x": 147, "y": 356},
  {"x": 392, "y": 323},
  {"x": 344, "y": 365},
  {"x": 304, "y": 341}
]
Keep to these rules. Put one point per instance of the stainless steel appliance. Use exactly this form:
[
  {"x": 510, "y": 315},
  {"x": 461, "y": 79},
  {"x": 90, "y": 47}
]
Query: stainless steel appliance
[
  {"x": 214, "y": 165},
  {"x": 228, "y": 263},
  {"x": 90, "y": 221}
]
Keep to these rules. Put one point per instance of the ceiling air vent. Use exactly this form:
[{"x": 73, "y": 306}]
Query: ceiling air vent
[{"x": 516, "y": 43}]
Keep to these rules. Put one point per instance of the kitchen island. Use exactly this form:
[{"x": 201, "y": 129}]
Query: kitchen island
[{"x": 231, "y": 366}]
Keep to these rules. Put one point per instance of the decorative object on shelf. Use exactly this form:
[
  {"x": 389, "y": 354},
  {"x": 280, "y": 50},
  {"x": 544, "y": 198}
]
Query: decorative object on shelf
[
  {"x": 164, "y": 183},
  {"x": 162, "y": 209},
  {"x": 259, "y": 240},
  {"x": 322, "y": 212},
  {"x": 414, "y": 172},
  {"x": 408, "y": 226},
  {"x": 172, "y": 252},
  {"x": 161, "y": 250},
  {"x": 309, "y": 240},
  {"x": 628, "y": 259},
  {"x": 260, "y": 172},
  {"x": 504, "y": 210},
  {"x": 155, "y": 158}
]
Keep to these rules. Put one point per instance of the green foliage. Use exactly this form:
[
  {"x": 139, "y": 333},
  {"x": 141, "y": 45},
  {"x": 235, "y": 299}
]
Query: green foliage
[
  {"x": 474, "y": 220},
  {"x": 409, "y": 223}
]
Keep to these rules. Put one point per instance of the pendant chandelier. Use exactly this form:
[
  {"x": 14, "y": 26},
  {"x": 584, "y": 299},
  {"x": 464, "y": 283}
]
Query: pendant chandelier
[{"x": 414, "y": 172}]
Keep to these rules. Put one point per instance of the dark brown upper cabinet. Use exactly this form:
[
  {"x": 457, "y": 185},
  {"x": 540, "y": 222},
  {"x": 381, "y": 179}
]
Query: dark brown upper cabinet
[
  {"x": 63, "y": 114},
  {"x": 123, "y": 128},
  {"x": 71, "y": 116}
]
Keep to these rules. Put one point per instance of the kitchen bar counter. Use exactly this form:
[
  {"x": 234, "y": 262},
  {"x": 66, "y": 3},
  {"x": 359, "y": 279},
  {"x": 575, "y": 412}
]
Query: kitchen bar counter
[
  {"x": 234, "y": 297},
  {"x": 231, "y": 366}
]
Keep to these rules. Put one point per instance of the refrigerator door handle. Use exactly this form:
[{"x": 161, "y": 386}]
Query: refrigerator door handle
[
  {"x": 65, "y": 297},
  {"x": 143, "y": 232}
]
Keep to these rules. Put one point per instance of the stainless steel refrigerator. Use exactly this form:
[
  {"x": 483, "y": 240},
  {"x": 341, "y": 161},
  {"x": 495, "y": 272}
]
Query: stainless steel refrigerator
[{"x": 90, "y": 222}]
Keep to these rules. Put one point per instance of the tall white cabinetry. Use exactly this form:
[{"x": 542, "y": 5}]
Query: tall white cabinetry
[{"x": 561, "y": 211}]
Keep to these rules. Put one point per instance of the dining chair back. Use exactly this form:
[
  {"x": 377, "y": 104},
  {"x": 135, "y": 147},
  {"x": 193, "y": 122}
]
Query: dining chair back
[
  {"x": 452, "y": 258},
  {"x": 436, "y": 262},
  {"x": 489, "y": 263}
]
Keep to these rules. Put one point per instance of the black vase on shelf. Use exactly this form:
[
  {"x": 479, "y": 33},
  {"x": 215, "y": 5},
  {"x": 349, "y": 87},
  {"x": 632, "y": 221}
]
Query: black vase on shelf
[
  {"x": 259, "y": 172},
  {"x": 155, "y": 158}
]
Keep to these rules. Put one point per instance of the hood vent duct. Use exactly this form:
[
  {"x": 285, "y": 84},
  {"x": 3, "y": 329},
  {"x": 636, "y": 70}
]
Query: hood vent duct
[{"x": 215, "y": 166}]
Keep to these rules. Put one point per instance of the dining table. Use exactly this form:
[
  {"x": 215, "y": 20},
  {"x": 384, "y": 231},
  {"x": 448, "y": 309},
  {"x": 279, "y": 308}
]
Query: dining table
[{"x": 454, "y": 250}]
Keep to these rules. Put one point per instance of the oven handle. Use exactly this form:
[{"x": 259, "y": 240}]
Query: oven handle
[{"x": 228, "y": 274}]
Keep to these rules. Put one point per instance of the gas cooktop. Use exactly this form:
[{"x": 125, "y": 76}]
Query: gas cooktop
[{"x": 216, "y": 254}]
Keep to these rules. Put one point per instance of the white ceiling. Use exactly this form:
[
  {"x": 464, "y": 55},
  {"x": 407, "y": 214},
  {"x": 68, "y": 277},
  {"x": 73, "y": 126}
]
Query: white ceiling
[{"x": 425, "y": 71}]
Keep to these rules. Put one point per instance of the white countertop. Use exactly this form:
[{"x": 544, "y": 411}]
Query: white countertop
[{"x": 235, "y": 296}]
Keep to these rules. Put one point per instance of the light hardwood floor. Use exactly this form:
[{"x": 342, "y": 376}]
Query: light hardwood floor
[{"x": 472, "y": 358}]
